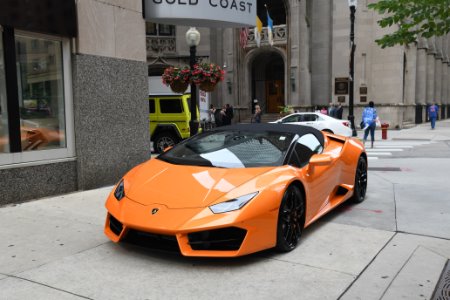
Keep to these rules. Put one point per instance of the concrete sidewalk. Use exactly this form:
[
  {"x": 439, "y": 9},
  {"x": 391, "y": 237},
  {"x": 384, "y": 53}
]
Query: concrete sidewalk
[{"x": 394, "y": 245}]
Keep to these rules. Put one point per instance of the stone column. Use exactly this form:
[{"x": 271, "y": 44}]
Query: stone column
[
  {"x": 444, "y": 83},
  {"x": 299, "y": 32},
  {"x": 421, "y": 78},
  {"x": 431, "y": 67},
  {"x": 438, "y": 71},
  {"x": 321, "y": 52},
  {"x": 410, "y": 76}
]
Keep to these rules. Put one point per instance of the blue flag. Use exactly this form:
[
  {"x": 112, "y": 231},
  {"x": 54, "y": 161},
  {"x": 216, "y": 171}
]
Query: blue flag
[{"x": 270, "y": 28}]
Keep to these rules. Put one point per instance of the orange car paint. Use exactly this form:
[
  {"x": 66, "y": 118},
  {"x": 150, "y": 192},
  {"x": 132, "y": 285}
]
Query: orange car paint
[{"x": 192, "y": 189}]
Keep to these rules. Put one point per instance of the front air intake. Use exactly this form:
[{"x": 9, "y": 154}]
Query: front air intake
[
  {"x": 115, "y": 226},
  {"x": 224, "y": 239}
]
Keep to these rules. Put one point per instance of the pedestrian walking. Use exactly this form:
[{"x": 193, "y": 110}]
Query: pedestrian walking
[
  {"x": 368, "y": 123},
  {"x": 257, "y": 116},
  {"x": 324, "y": 110},
  {"x": 339, "y": 111},
  {"x": 229, "y": 113},
  {"x": 217, "y": 117},
  {"x": 432, "y": 114},
  {"x": 332, "y": 110}
]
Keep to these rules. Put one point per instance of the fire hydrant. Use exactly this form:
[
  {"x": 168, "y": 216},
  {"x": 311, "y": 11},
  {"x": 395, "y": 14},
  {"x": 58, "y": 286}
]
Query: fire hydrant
[{"x": 384, "y": 128}]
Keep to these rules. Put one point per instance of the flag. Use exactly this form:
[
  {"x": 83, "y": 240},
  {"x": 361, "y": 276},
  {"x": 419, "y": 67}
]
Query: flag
[
  {"x": 243, "y": 38},
  {"x": 269, "y": 28},
  {"x": 258, "y": 30}
]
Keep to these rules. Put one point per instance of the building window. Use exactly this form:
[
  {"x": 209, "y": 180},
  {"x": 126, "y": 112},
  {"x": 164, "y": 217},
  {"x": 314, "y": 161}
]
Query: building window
[
  {"x": 41, "y": 93},
  {"x": 159, "y": 29},
  {"x": 42, "y": 106}
]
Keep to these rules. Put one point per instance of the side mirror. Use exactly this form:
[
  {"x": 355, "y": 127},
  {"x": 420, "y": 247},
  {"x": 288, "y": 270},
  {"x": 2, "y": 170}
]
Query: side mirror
[{"x": 320, "y": 160}]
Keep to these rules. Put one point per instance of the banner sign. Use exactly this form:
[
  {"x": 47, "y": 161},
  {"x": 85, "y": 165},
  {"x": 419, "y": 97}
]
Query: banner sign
[{"x": 202, "y": 13}]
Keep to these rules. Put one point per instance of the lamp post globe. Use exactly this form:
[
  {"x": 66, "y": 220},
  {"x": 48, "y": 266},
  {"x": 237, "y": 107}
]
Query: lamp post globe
[
  {"x": 193, "y": 40},
  {"x": 352, "y": 5},
  {"x": 192, "y": 37}
]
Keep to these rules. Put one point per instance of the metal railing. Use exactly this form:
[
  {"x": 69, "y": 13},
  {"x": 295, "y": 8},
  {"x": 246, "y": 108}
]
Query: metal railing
[
  {"x": 160, "y": 44},
  {"x": 279, "y": 36}
]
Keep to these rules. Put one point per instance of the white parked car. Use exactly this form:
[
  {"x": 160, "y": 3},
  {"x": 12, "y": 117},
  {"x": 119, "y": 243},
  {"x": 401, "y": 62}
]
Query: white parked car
[{"x": 318, "y": 121}]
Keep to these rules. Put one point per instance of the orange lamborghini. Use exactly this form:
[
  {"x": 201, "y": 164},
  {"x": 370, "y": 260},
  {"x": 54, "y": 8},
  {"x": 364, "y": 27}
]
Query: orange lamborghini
[{"x": 237, "y": 189}]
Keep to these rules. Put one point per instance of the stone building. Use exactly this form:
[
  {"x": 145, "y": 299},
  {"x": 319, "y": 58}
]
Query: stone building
[
  {"x": 73, "y": 95},
  {"x": 308, "y": 64}
]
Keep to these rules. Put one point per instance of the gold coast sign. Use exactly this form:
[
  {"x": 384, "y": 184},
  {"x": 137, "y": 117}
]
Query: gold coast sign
[{"x": 204, "y": 13}]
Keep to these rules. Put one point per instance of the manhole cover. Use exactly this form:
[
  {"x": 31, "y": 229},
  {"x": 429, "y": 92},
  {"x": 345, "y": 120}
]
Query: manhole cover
[
  {"x": 390, "y": 169},
  {"x": 442, "y": 291}
]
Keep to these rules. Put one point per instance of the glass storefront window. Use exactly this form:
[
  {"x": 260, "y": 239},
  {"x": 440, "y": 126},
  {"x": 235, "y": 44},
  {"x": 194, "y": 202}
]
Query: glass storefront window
[
  {"x": 41, "y": 93},
  {"x": 4, "y": 132}
]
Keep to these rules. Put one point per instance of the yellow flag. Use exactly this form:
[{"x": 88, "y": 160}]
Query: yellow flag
[{"x": 258, "y": 30}]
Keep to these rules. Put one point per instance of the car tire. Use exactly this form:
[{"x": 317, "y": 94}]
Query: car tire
[
  {"x": 291, "y": 219},
  {"x": 360, "y": 188},
  {"x": 163, "y": 140}
]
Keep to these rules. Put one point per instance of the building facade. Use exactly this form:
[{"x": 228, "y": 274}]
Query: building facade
[
  {"x": 308, "y": 64},
  {"x": 73, "y": 95}
]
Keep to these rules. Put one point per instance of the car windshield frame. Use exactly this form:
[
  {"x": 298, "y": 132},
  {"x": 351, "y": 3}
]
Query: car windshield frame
[{"x": 239, "y": 146}]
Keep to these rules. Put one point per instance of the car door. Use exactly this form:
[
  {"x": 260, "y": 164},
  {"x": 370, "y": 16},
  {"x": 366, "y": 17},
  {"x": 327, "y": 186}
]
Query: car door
[
  {"x": 291, "y": 119},
  {"x": 319, "y": 180},
  {"x": 312, "y": 120}
]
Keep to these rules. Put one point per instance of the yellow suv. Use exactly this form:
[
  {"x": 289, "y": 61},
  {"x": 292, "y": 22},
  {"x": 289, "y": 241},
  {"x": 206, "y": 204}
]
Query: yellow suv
[{"x": 169, "y": 119}]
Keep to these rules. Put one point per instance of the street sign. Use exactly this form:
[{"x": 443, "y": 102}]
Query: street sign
[{"x": 204, "y": 13}]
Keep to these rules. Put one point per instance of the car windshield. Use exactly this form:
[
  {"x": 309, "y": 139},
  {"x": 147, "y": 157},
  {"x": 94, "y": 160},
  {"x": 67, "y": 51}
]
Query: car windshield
[{"x": 231, "y": 149}]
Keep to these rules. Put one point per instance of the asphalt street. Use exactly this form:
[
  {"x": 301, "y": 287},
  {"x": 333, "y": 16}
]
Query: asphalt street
[{"x": 394, "y": 245}]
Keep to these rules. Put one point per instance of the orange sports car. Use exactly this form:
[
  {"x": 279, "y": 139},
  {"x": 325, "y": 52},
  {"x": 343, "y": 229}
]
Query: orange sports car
[{"x": 237, "y": 189}]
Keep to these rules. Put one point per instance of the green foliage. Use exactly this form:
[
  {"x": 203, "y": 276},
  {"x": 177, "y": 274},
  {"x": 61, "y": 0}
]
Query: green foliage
[{"x": 414, "y": 18}]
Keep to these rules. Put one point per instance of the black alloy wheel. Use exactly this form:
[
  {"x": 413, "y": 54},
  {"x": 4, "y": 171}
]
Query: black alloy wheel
[
  {"x": 359, "y": 191},
  {"x": 164, "y": 140},
  {"x": 291, "y": 219}
]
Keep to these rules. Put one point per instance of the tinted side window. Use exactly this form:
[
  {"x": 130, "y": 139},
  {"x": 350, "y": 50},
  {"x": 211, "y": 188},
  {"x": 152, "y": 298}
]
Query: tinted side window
[
  {"x": 306, "y": 146},
  {"x": 301, "y": 155},
  {"x": 290, "y": 119},
  {"x": 171, "y": 106},
  {"x": 309, "y": 118},
  {"x": 311, "y": 142},
  {"x": 152, "y": 106}
]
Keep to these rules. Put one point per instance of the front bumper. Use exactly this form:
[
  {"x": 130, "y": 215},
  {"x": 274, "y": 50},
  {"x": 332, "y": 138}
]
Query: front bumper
[{"x": 195, "y": 231}]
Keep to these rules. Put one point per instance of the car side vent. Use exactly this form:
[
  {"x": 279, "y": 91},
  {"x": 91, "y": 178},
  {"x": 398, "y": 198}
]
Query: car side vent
[
  {"x": 115, "y": 226},
  {"x": 341, "y": 191},
  {"x": 337, "y": 139},
  {"x": 224, "y": 239}
]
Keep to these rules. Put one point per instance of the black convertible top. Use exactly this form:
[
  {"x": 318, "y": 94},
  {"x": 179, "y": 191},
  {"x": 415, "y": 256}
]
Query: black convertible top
[{"x": 275, "y": 127}]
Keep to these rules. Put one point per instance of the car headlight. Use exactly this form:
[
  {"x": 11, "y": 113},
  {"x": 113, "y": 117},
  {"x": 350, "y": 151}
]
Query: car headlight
[
  {"x": 233, "y": 204},
  {"x": 119, "y": 193}
]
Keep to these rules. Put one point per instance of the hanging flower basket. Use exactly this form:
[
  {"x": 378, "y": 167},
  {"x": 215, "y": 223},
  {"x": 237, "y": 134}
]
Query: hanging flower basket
[
  {"x": 177, "y": 78},
  {"x": 206, "y": 76},
  {"x": 207, "y": 86},
  {"x": 179, "y": 86}
]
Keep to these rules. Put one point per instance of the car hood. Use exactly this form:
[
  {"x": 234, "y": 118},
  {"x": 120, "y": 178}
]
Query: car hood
[{"x": 181, "y": 186}]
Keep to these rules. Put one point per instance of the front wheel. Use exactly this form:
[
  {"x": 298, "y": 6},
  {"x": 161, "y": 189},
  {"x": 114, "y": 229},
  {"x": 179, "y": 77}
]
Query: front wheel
[
  {"x": 291, "y": 219},
  {"x": 164, "y": 140},
  {"x": 359, "y": 191}
]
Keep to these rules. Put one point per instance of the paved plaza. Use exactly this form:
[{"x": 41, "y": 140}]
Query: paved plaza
[{"x": 394, "y": 245}]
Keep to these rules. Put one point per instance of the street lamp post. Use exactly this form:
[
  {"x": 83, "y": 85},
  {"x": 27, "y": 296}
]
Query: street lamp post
[
  {"x": 352, "y": 4},
  {"x": 193, "y": 39}
]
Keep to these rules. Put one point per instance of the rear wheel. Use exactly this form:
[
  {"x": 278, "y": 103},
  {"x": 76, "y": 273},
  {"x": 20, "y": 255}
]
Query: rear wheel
[
  {"x": 359, "y": 191},
  {"x": 291, "y": 219},
  {"x": 164, "y": 140}
]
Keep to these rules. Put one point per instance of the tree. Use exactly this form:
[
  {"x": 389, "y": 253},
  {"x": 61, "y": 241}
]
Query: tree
[{"x": 414, "y": 18}]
